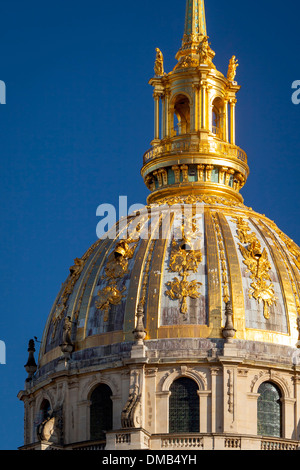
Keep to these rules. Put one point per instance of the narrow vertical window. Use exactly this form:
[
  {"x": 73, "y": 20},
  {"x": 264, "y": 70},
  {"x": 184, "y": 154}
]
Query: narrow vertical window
[
  {"x": 269, "y": 421},
  {"x": 100, "y": 412},
  {"x": 184, "y": 406}
]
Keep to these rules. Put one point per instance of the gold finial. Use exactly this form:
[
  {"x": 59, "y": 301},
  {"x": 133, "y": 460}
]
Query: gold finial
[
  {"x": 233, "y": 64},
  {"x": 159, "y": 63}
]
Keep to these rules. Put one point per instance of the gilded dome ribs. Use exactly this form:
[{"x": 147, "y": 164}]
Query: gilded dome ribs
[
  {"x": 237, "y": 291},
  {"x": 213, "y": 276},
  {"x": 156, "y": 278},
  {"x": 223, "y": 259}
]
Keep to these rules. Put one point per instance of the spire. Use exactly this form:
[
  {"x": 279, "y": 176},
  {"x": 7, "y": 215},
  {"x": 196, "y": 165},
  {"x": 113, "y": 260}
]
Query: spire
[
  {"x": 195, "y": 48},
  {"x": 195, "y": 23}
]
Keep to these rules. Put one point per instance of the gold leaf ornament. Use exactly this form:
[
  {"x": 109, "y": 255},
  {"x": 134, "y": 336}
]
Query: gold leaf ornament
[
  {"x": 183, "y": 260},
  {"x": 181, "y": 289},
  {"x": 258, "y": 265},
  {"x": 108, "y": 296}
]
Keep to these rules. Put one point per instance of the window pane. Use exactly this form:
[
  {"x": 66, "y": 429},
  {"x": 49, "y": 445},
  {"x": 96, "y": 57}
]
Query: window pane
[
  {"x": 269, "y": 410},
  {"x": 184, "y": 406}
]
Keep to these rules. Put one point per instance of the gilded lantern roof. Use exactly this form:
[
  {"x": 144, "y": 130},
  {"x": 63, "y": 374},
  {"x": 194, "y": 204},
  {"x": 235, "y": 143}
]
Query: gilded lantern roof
[{"x": 174, "y": 267}]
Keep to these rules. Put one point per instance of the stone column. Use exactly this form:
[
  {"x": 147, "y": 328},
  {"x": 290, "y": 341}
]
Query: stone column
[
  {"x": 150, "y": 402},
  {"x": 203, "y": 107},
  {"x": 156, "y": 97},
  {"x": 162, "y": 412},
  {"x": 226, "y": 120},
  {"x": 82, "y": 421},
  {"x": 197, "y": 105},
  {"x": 167, "y": 113},
  {"x": 288, "y": 410},
  {"x": 297, "y": 404},
  {"x": 203, "y": 407},
  {"x": 232, "y": 121},
  {"x": 208, "y": 108}
]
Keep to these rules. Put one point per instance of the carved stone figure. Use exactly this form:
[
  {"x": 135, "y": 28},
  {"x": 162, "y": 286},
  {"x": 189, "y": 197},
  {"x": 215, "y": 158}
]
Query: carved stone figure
[{"x": 67, "y": 345}]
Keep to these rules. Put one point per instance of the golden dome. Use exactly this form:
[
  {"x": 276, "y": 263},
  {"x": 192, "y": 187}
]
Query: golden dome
[
  {"x": 173, "y": 268},
  {"x": 183, "y": 260}
]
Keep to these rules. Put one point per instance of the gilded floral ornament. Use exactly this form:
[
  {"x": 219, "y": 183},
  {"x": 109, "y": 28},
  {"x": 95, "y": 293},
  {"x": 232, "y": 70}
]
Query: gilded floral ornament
[
  {"x": 258, "y": 265},
  {"x": 108, "y": 296},
  {"x": 181, "y": 289},
  {"x": 182, "y": 260}
]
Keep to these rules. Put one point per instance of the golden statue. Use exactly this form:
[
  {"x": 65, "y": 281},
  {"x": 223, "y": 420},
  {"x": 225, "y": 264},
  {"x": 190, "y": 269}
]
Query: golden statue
[
  {"x": 203, "y": 49},
  {"x": 233, "y": 64},
  {"x": 159, "y": 63}
]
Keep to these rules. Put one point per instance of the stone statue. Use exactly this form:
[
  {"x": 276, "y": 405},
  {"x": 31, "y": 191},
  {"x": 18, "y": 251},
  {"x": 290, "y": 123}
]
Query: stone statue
[
  {"x": 233, "y": 64},
  {"x": 67, "y": 346},
  {"x": 159, "y": 63}
]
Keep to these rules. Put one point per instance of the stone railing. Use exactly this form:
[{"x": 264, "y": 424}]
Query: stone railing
[
  {"x": 279, "y": 444},
  {"x": 95, "y": 445},
  {"x": 232, "y": 443},
  {"x": 182, "y": 442},
  {"x": 180, "y": 146}
]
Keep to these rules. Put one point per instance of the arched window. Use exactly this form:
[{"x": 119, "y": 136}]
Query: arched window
[
  {"x": 182, "y": 115},
  {"x": 269, "y": 410},
  {"x": 100, "y": 412},
  {"x": 217, "y": 117},
  {"x": 184, "y": 406}
]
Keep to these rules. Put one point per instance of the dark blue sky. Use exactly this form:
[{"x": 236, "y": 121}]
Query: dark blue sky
[{"x": 79, "y": 116}]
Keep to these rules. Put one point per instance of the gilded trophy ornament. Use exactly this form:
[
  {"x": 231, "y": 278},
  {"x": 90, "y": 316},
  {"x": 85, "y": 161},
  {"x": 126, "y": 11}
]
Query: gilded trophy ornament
[
  {"x": 258, "y": 265},
  {"x": 61, "y": 306},
  {"x": 115, "y": 269}
]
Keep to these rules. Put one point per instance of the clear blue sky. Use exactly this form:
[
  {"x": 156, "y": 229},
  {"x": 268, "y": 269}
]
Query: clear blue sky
[{"x": 79, "y": 116}]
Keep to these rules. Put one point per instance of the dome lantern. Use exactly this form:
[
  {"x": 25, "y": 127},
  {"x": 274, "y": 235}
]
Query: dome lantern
[{"x": 194, "y": 149}]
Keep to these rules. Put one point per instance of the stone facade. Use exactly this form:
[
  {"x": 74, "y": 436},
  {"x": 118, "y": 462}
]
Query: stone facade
[{"x": 228, "y": 377}]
